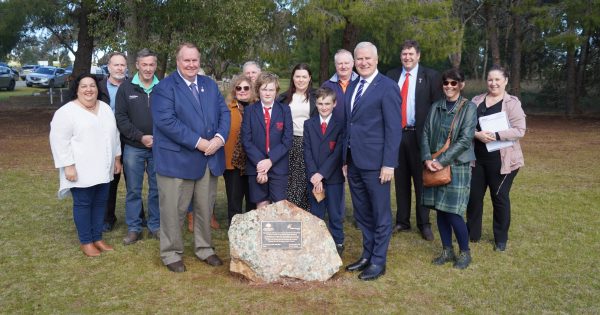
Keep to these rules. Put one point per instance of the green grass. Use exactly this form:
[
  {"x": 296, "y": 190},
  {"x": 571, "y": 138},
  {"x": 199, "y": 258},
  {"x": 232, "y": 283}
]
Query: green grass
[
  {"x": 552, "y": 264},
  {"x": 20, "y": 91}
]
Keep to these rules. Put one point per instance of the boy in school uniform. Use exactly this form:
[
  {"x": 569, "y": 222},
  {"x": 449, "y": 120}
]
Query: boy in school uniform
[
  {"x": 267, "y": 132},
  {"x": 323, "y": 158}
]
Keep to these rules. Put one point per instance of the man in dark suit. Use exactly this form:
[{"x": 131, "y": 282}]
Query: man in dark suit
[
  {"x": 191, "y": 125},
  {"x": 371, "y": 145},
  {"x": 423, "y": 87}
]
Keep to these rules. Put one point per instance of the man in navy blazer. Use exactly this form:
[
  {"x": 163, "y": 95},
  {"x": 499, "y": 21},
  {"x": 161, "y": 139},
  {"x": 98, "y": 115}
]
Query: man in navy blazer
[
  {"x": 371, "y": 145},
  {"x": 424, "y": 87},
  {"x": 191, "y": 124}
]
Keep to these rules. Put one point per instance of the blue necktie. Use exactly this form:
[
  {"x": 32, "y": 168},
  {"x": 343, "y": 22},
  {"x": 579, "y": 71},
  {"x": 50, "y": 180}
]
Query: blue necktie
[
  {"x": 195, "y": 92},
  {"x": 359, "y": 92}
]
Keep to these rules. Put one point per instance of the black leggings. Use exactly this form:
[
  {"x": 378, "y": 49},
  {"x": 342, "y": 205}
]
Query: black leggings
[{"x": 484, "y": 175}]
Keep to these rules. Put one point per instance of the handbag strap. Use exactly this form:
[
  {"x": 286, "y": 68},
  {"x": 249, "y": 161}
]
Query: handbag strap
[{"x": 447, "y": 143}]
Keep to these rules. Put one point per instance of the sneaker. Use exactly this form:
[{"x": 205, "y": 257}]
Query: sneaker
[
  {"x": 446, "y": 256},
  {"x": 463, "y": 260}
]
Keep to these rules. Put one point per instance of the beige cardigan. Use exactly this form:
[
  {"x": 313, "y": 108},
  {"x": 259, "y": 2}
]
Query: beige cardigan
[{"x": 512, "y": 157}]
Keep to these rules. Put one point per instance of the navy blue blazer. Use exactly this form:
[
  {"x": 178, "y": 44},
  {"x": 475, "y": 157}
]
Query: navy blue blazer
[
  {"x": 280, "y": 137},
  {"x": 373, "y": 127},
  {"x": 179, "y": 121},
  {"x": 323, "y": 152}
]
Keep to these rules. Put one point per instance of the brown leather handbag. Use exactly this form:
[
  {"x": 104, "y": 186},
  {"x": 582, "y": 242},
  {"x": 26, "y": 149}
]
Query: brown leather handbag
[{"x": 443, "y": 176}]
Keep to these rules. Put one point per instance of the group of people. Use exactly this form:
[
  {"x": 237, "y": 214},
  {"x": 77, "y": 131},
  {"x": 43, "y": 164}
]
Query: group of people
[{"x": 362, "y": 127}]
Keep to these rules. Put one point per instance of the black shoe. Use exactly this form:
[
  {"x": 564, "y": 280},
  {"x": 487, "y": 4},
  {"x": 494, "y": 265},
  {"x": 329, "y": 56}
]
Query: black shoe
[
  {"x": 108, "y": 226},
  {"x": 213, "y": 260},
  {"x": 132, "y": 237},
  {"x": 177, "y": 266},
  {"x": 154, "y": 235},
  {"x": 474, "y": 240},
  {"x": 426, "y": 234},
  {"x": 446, "y": 256},
  {"x": 463, "y": 260},
  {"x": 500, "y": 247},
  {"x": 358, "y": 265},
  {"x": 340, "y": 249},
  {"x": 400, "y": 228},
  {"x": 372, "y": 272}
]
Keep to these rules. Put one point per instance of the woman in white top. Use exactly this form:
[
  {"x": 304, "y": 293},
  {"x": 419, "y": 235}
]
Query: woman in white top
[
  {"x": 86, "y": 149},
  {"x": 300, "y": 97}
]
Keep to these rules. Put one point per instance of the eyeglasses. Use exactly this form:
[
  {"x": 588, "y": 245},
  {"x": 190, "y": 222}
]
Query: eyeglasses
[
  {"x": 452, "y": 83},
  {"x": 245, "y": 88}
]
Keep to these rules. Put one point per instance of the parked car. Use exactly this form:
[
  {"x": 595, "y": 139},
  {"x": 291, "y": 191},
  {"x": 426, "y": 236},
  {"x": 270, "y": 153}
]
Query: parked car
[
  {"x": 7, "y": 78},
  {"x": 99, "y": 72},
  {"x": 27, "y": 69},
  {"x": 47, "y": 77},
  {"x": 14, "y": 72}
]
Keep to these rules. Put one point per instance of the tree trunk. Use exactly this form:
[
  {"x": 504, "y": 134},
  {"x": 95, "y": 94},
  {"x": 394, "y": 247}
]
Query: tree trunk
[
  {"x": 85, "y": 41},
  {"x": 490, "y": 13},
  {"x": 571, "y": 77},
  {"x": 485, "y": 61},
  {"x": 515, "y": 67},
  {"x": 132, "y": 27},
  {"x": 583, "y": 60},
  {"x": 350, "y": 37},
  {"x": 324, "y": 61}
]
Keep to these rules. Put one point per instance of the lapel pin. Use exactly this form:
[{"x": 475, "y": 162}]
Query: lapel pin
[
  {"x": 420, "y": 79},
  {"x": 201, "y": 89}
]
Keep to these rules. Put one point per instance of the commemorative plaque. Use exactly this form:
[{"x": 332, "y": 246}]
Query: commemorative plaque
[{"x": 281, "y": 234}]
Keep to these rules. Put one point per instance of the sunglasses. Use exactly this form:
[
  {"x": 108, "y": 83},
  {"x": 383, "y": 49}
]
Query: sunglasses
[
  {"x": 245, "y": 88},
  {"x": 452, "y": 83}
]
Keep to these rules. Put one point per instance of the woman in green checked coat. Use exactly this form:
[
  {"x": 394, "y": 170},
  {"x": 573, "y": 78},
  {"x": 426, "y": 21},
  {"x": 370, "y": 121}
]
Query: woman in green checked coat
[{"x": 450, "y": 200}]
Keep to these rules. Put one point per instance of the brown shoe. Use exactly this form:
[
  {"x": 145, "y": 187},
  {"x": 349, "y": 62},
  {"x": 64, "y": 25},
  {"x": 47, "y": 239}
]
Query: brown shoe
[
  {"x": 213, "y": 222},
  {"x": 103, "y": 247},
  {"x": 190, "y": 217},
  {"x": 90, "y": 250}
]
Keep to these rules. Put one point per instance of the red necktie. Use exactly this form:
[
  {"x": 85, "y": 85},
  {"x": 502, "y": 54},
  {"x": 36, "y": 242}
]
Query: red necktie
[
  {"x": 323, "y": 127},
  {"x": 268, "y": 125},
  {"x": 404, "y": 94}
]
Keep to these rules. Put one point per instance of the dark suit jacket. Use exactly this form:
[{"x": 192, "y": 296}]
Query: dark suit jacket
[
  {"x": 373, "y": 127},
  {"x": 427, "y": 91},
  {"x": 323, "y": 152},
  {"x": 179, "y": 121},
  {"x": 280, "y": 137}
]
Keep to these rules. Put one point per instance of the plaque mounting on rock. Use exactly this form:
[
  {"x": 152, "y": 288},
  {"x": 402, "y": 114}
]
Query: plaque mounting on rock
[{"x": 281, "y": 234}]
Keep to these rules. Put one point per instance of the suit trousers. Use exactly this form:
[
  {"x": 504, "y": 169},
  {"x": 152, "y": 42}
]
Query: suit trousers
[
  {"x": 410, "y": 166},
  {"x": 484, "y": 174},
  {"x": 174, "y": 196},
  {"x": 236, "y": 188},
  {"x": 372, "y": 211}
]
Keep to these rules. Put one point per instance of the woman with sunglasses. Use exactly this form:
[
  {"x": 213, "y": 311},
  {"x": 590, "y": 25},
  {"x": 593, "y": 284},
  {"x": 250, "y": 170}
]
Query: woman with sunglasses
[
  {"x": 300, "y": 97},
  {"x": 456, "y": 116},
  {"x": 240, "y": 96},
  {"x": 496, "y": 169}
]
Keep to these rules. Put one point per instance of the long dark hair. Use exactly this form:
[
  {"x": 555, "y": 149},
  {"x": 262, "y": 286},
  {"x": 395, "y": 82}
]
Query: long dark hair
[
  {"x": 74, "y": 86},
  {"x": 292, "y": 89}
]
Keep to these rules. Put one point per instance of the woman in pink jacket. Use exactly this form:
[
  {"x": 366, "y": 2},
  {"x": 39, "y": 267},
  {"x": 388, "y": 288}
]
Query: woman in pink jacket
[{"x": 496, "y": 169}]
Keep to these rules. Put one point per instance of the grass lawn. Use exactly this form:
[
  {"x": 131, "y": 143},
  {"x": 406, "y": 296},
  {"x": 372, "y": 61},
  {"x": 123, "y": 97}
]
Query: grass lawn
[
  {"x": 552, "y": 264},
  {"x": 20, "y": 91}
]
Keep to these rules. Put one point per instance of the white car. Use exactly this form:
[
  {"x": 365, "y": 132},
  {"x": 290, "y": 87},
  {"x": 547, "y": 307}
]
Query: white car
[{"x": 47, "y": 77}]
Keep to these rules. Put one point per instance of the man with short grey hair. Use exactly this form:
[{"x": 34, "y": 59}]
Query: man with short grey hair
[
  {"x": 252, "y": 70},
  {"x": 134, "y": 121}
]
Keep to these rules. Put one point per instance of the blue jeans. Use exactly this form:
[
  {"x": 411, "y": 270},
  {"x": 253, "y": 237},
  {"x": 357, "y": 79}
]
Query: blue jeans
[
  {"x": 135, "y": 162},
  {"x": 88, "y": 211}
]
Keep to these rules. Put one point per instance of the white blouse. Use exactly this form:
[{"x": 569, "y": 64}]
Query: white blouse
[
  {"x": 88, "y": 140},
  {"x": 300, "y": 109}
]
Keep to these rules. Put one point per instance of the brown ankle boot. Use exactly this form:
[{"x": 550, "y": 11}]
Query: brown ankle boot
[
  {"x": 213, "y": 222},
  {"x": 190, "y": 217},
  {"x": 103, "y": 247},
  {"x": 90, "y": 250}
]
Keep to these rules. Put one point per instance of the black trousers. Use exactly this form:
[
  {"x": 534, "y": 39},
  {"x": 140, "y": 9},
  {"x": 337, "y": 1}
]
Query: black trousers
[
  {"x": 236, "y": 188},
  {"x": 409, "y": 167},
  {"x": 487, "y": 174}
]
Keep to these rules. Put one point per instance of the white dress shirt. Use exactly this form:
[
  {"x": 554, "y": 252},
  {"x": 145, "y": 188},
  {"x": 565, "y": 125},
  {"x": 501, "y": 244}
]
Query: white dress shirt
[{"x": 410, "y": 98}]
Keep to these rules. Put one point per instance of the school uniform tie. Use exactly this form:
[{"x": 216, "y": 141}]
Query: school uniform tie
[
  {"x": 323, "y": 127},
  {"x": 404, "y": 94},
  {"x": 268, "y": 126}
]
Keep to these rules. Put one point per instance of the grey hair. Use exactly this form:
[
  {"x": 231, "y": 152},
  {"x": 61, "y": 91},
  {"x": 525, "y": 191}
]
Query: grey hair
[
  {"x": 145, "y": 52},
  {"x": 342, "y": 52},
  {"x": 368, "y": 45},
  {"x": 251, "y": 63}
]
